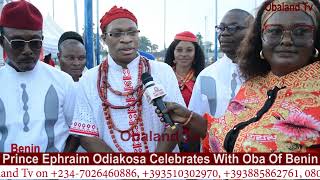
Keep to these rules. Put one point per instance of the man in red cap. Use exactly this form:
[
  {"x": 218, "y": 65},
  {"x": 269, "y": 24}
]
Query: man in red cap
[
  {"x": 110, "y": 113},
  {"x": 36, "y": 102}
]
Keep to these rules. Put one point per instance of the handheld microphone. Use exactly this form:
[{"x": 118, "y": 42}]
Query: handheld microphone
[{"x": 154, "y": 94}]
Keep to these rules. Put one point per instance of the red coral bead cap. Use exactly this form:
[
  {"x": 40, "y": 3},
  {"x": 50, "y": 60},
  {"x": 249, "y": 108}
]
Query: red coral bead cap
[
  {"x": 186, "y": 36},
  {"x": 116, "y": 13},
  {"x": 21, "y": 15}
]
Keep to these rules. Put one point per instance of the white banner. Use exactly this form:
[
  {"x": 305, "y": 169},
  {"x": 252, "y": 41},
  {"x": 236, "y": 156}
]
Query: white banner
[{"x": 160, "y": 172}]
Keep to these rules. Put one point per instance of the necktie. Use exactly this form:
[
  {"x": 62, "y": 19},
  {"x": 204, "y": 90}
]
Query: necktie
[{"x": 233, "y": 85}]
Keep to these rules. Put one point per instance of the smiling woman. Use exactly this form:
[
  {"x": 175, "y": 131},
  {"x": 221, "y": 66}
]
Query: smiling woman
[
  {"x": 277, "y": 109},
  {"x": 186, "y": 58}
]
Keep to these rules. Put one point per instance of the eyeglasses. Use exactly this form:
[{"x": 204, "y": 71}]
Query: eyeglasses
[
  {"x": 35, "y": 44},
  {"x": 301, "y": 34},
  {"x": 73, "y": 58},
  {"x": 231, "y": 28},
  {"x": 121, "y": 34}
]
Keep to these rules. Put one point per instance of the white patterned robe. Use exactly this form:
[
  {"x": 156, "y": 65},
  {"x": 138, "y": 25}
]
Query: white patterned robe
[
  {"x": 36, "y": 107},
  {"x": 88, "y": 108}
]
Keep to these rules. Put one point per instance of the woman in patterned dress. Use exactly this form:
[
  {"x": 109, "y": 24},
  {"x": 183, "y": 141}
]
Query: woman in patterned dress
[{"x": 278, "y": 107}]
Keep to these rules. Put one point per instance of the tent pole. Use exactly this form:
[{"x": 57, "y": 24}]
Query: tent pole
[
  {"x": 88, "y": 35},
  {"x": 216, "y": 34},
  {"x": 98, "y": 37},
  {"x": 75, "y": 7}
]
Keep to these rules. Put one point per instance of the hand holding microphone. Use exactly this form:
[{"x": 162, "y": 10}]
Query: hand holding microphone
[
  {"x": 154, "y": 94},
  {"x": 177, "y": 112}
]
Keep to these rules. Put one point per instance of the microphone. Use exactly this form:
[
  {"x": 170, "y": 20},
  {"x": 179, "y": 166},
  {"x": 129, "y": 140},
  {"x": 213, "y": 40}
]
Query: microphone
[{"x": 154, "y": 93}]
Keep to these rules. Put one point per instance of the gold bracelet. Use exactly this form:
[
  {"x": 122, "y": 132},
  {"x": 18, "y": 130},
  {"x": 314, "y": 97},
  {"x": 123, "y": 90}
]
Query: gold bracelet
[{"x": 188, "y": 120}]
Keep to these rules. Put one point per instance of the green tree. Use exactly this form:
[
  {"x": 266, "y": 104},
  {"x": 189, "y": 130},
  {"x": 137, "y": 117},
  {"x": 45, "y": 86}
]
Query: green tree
[
  {"x": 154, "y": 48},
  {"x": 200, "y": 40},
  {"x": 145, "y": 44}
]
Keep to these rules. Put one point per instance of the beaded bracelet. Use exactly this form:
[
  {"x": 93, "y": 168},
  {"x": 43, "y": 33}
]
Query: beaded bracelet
[{"x": 188, "y": 120}]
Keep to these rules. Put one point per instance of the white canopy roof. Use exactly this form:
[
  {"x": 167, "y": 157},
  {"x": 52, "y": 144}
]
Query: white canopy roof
[{"x": 51, "y": 32}]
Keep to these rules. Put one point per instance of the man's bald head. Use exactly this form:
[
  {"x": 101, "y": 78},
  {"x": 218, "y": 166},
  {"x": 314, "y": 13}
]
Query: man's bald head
[
  {"x": 242, "y": 14},
  {"x": 69, "y": 43},
  {"x": 72, "y": 57}
]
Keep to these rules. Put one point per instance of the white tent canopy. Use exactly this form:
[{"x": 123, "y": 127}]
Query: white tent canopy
[{"x": 51, "y": 32}]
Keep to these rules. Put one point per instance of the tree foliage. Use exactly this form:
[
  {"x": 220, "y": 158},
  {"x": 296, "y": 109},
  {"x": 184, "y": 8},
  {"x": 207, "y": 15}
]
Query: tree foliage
[
  {"x": 200, "y": 40},
  {"x": 154, "y": 48},
  {"x": 145, "y": 44}
]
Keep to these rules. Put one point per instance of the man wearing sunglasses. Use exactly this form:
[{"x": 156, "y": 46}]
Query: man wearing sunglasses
[
  {"x": 110, "y": 113},
  {"x": 217, "y": 84},
  {"x": 36, "y": 100}
]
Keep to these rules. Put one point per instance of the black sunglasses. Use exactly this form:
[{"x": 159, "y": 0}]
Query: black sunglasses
[{"x": 35, "y": 44}]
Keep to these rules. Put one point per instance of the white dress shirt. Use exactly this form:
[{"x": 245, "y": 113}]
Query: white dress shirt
[{"x": 222, "y": 72}]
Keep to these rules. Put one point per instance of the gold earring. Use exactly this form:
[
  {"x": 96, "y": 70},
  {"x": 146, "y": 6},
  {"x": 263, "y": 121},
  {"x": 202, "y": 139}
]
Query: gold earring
[
  {"x": 261, "y": 55},
  {"x": 316, "y": 54}
]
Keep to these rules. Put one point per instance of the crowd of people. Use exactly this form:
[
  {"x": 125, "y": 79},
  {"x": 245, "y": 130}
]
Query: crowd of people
[{"x": 261, "y": 96}]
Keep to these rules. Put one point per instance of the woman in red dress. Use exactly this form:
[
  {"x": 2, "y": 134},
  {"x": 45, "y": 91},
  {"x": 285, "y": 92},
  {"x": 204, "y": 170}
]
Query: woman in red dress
[{"x": 186, "y": 58}]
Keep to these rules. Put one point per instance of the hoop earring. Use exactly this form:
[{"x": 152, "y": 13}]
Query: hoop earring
[
  {"x": 316, "y": 54},
  {"x": 261, "y": 55}
]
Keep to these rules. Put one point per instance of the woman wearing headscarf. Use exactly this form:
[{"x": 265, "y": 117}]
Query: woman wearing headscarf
[{"x": 278, "y": 107}]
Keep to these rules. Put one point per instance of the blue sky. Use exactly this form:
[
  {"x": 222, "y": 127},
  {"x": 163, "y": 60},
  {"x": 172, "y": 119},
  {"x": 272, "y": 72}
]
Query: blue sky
[{"x": 192, "y": 15}]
